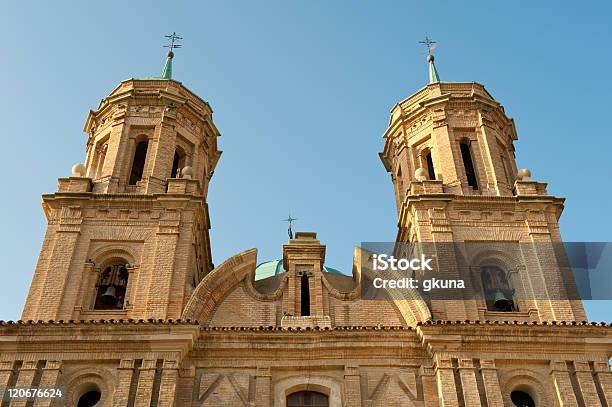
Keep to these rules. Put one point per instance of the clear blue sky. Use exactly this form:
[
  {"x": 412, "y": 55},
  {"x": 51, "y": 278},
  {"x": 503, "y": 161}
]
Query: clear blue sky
[{"x": 301, "y": 93}]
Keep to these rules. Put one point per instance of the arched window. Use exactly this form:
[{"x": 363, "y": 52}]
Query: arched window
[
  {"x": 468, "y": 164},
  {"x": 497, "y": 290},
  {"x": 425, "y": 159},
  {"x": 140, "y": 157},
  {"x": 177, "y": 163},
  {"x": 98, "y": 162},
  {"x": 521, "y": 399},
  {"x": 89, "y": 399},
  {"x": 305, "y": 296},
  {"x": 307, "y": 399},
  {"x": 430, "y": 166},
  {"x": 111, "y": 286}
]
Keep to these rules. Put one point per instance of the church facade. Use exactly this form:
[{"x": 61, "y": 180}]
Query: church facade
[{"x": 126, "y": 308}]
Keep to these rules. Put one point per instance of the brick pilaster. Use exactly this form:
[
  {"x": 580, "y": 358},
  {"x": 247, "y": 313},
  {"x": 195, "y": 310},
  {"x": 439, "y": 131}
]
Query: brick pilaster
[
  {"x": 144, "y": 391},
  {"x": 122, "y": 386},
  {"x": 563, "y": 384},
  {"x": 162, "y": 148},
  {"x": 352, "y": 387},
  {"x": 468, "y": 383},
  {"x": 444, "y": 160},
  {"x": 116, "y": 154},
  {"x": 186, "y": 386},
  {"x": 165, "y": 249},
  {"x": 430, "y": 388},
  {"x": 604, "y": 376},
  {"x": 6, "y": 370},
  {"x": 316, "y": 294},
  {"x": 584, "y": 375},
  {"x": 491, "y": 161},
  {"x": 491, "y": 383},
  {"x": 52, "y": 293},
  {"x": 446, "y": 383},
  {"x": 24, "y": 380},
  {"x": 48, "y": 380},
  {"x": 263, "y": 387},
  {"x": 169, "y": 379}
]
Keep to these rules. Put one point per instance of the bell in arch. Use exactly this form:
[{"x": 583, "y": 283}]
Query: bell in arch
[
  {"x": 110, "y": 295},
  {"x": 500, "y": 301}
]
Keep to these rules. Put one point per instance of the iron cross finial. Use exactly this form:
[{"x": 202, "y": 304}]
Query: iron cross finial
[
  {"x": 173, "y": 41},
  {"x": 429, "y": 43},
  {"x": 290, "y": 230}
]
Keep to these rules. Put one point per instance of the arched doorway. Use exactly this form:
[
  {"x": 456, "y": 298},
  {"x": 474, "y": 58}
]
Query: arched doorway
[{"x": 307, "y": 399}]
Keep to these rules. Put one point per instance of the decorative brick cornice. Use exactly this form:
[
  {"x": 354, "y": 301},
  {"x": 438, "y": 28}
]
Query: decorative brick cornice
[
  {"x": 438, "y": 322},
  {"x": 101, "y": 322},
  {"x": 514, "y": 336},
  {"x": 303, "y": 329},
  {"x": 496, "y": 322}
]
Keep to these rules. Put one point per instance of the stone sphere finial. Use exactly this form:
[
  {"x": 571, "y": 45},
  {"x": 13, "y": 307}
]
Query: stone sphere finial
[
  {"x": 187, "y": 172},
  {"x": 524, "y": 174},
  {"x": 78, "y": 170},
  {"x": 420, "y": 174},
  {"x": 430, "y": 58}
]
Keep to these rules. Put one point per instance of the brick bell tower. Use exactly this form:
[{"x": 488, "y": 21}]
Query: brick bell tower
[
  {"x": 450, "y": 151},
  {"x": 127, "y": 233}
]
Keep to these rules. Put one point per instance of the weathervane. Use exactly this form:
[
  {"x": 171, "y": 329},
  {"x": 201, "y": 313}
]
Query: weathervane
[
  {"x": 173, "y": 42},
  {"x": 429, "y": 43},
  {"x": 290, "y": 230},
  {"x": 167, "y": 71},
  {"x": 433, "y": 72}
]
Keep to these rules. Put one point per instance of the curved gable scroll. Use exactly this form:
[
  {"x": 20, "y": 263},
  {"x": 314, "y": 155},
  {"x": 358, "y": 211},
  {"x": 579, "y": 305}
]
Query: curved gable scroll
[
  {"x": 215, "y": 286},
  {"x": 409, "y": 304}
]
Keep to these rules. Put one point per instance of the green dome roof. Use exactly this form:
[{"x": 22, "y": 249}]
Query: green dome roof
[{"x": 275, "y": 267}]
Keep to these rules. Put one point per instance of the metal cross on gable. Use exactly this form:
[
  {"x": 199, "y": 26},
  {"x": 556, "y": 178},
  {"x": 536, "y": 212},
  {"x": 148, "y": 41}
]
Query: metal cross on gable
[{"x": 290, "y": 230}]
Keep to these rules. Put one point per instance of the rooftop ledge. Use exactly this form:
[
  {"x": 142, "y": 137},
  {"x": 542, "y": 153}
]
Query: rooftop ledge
[
  {"x": 152, "y": 321},
  {"x": 438, "y": 89}
]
